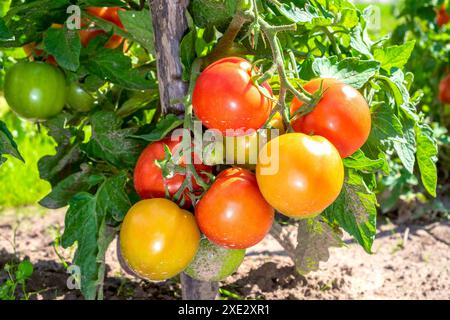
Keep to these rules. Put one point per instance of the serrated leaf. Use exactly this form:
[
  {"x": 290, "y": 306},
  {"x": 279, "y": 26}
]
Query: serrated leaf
[
  {"x": 162, "y": 128},
  {"x": 78, "y": 182},
  {"x": 7, "y": 144},
  {"x": 139, "y": 25},
  {"x": 65, "y": 46},
  {"x": 394, "y": 56},
  {"x": 406, "y": 148},
  {"x": 427, "y": 152},
  {"x": 358, "y": 43},
  {"x": 314, "y": 238},
  {"x": 110, "y": 142},
  {"x": 355, "y": 211},
  {"x": 359, "y": 161},
  {"x": 85, "y": 225},
  {"x": 352, "y": 71},
  {"x": 114, "y": 66}
]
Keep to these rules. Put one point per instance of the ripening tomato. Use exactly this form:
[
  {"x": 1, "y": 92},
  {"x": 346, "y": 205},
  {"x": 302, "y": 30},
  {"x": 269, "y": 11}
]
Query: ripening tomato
[
  {"x": 148, "y": 178},
  {"x": 342, "y": 116},
  {"x": 35, "y": 90},
  {"x": 110, "y": 14},
  {"x": 233, "y": 213},
  {"x": 442, "y": 16},
  {"x": 225, "y": 97},
  {"x": 300, "y": 175},
  {"x": 158, "y": 239},
  {"x": 444, "y": 90}
]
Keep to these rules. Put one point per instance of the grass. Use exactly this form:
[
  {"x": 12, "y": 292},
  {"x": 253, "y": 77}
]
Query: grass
[{"x": 20, "y": 184}]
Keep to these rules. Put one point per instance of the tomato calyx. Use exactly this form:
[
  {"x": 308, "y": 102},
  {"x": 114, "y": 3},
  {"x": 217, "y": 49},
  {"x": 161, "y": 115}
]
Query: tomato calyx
[{"x": 310, "y": 106}]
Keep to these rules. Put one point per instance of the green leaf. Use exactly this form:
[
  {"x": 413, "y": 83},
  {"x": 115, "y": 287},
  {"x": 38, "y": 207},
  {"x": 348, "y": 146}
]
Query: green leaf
[
  {"x": 427, "y": 152},
  {"x": 359, "y": 161},
  {"x": 68, "y": 154},
  {"x": 80, "y": 181},
  {"x": 352, "y": 71},
  {"x": 110, "y": 142},
  {"x": 65, "y": 46},
  {"x": 355, "y": 211},
  {"x": 139, "y": 25},
  {"x": 187, "y": 53},
  {"x": 394, "y": 56},
  {"x": 114, "y": 66},
  {"x": 26, "y": 21},
  {"x": 314, "y": 238},
  {"x": 24, "y": 270},
  {"x": 162, "y": 128},
  {"x": 85, "y": 224},
  {"x": 406, "y": 148},
  {"x": 7, "y": 144},
  {"x": 358, "y": 43}
]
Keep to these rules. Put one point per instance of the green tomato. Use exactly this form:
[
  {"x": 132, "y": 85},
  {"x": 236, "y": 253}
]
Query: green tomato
[
  {"x": 214, "y": 263},
  {"x": 78, "y": 99},
  {"x": 35, "y": 90}
]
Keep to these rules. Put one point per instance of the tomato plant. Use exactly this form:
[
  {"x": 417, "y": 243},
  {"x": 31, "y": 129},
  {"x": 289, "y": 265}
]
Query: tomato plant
[
  {"x": 110, "y": 158},
  {"x": 35, "y": 90},
  {"x": 158, "y": 239}
]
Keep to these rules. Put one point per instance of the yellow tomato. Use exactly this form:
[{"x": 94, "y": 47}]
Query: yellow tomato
[{"x": 158, "y": 239}]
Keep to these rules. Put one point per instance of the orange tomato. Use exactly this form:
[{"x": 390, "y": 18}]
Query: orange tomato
[{"x": 300, "y": 175}]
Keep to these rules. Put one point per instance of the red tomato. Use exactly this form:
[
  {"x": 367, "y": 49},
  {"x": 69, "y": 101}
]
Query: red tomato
[
  {"x": 444, "y": 90},
  {"x": 233, "y": 213},
  {"x": 148, "y": 179},
  {"x": 225, "y": 98},
  {"x": 342, "y": 116},
  {"x": 442, "y": 17}
]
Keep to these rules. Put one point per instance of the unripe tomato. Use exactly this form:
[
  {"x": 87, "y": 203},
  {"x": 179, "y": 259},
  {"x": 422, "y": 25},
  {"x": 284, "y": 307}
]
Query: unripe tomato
[
  {"x": 158, "y": 240},
  {"x": 78, "y": 99},
  {"x": 225, "y": 98},
  {"x": 233, "y": 213},
  {"x": 148, "y": 178},
  {"x": 35, "y": 90},
  {"x": 444, "y": 90},
  {"x": 214, "y": 263},
  {"x": 300, "y": 175},
  {"x": 342, "y": 116},
  {"x": 442, "y": 17}
]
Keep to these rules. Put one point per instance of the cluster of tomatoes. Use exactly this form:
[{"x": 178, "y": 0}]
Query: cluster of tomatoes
[
  {"x": 35, "y": 99},
  {"x": 298, "y": 174}
]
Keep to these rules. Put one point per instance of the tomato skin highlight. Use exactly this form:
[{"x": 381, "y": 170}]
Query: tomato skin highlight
[
  {"x": 148, "y": 179},
  {"x": 308, "y": 178},
  {"x": 158, "y": 239},
  {"x": 444, "y": 90},
  {"x": 35, "y": 90},
  {"x": 232, "y": 213},
  {"x": 342, "y": 116},
  {"x": 225, "y": 98}
]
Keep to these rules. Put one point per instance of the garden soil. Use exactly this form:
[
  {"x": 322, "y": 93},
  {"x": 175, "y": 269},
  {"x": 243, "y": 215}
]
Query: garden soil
[{"x": 410, "y": 261}]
